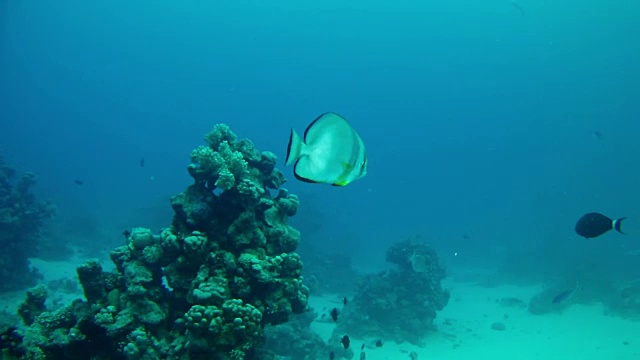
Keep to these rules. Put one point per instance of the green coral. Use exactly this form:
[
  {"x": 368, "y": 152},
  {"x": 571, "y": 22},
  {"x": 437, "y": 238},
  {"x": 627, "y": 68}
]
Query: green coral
[
  {"x": 33, "y": 304},
  {"x": 232, "y": 326},
  {"x": 208, "y": 160},
  {"x": 140, "y": 238},
  {"x": 106, "y": 316},
  {"x": 204, "y": 320},
  {"x": 206, "y": 286},
  {"x": 221, "y": 167},
  {"x": 194, "y": 246},
  {"x": 152, "y": 254},
  {"x": 209, "y": 287},
  {"x": 22, "y": 219},
  {"x": 282, "y": 239},
  {"x": 234, "y": 161},
  {"x": 245, "y": 233},
  {"x": 219, "y": 134},
  {"x": 251, "y": 190},
  {"x": 142, "y": 345},
  {"x": 92, "y": 280},
  {"x": 287, "y": 204}
]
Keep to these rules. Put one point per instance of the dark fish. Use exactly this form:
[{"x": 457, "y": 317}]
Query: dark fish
[
  {"x": 345, "y": 342},
  {"x": 345, "y": 301},
  {"x": 332, "y": 356},
  {"x": 564, "y": 295},
  {"x": 78, "y": 182},
  {"x": 595, "y": 224},
  {"x": 334, "y": 314},
  {"x": 517, "y": 7},
  {"x": 379, "y": 343},
  {"x": 126, "y": 234},
  {"x": 142, "y": 162},
  {"x": 598, "y": 135},
  {"x": 362, "y": 347}
]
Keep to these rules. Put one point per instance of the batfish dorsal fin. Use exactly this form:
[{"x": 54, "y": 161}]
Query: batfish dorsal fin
[
  {"x": 294, "y": 149},
  {"x": 318, "y": 127}
]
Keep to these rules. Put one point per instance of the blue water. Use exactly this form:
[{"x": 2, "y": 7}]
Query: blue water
[{"x": 479, "y": 120}]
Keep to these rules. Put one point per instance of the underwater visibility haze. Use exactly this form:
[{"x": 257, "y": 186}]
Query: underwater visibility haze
[{"x": 150, "y": 165}]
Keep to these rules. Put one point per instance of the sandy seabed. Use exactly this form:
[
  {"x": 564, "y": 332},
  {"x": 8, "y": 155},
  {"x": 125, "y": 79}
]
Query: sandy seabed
[{"x": 465, "y": 330}]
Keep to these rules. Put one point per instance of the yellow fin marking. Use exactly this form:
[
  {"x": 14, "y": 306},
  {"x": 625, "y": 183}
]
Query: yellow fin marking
[{"x": 342, "y": 179}]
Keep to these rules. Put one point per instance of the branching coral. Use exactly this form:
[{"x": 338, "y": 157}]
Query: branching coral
[{"x": 222, "y": 167}]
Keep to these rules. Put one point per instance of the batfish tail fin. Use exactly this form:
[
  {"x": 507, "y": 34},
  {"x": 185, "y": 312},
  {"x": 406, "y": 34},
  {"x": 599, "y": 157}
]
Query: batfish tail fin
[
  {"x": 294, "y": 149},
  {"x": 617, "y": 223}
]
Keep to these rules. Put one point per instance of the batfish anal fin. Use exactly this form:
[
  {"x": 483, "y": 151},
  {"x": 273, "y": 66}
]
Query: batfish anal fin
[
  {"x": 302, "y": 178},
  {"x": 342, "y": 179}
]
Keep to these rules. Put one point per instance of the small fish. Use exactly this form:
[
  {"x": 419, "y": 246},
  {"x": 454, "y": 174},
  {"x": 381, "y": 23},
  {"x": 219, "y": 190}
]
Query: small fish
[
  {"x": 598, "y": 135},
  {"x": 564, "y": 295},
  {"x": 334, "y": 314},
  {"x": 126, "y": 234},
  {"x": 517, "y": 7},
  {"x": 331, "y": 152},
  {"x": 632, "y": 253},
  {"x": 142, "y": 162},
  {"x": 363, "y": 356},
  {"x": 332, "y": 356},
  {"x": 594, "y": 224},
  {"x": 345, "y": 301},
  {"x": 78, "y": 182},
  {"x": 345, "y": 342},
  {"x": 379, "y": 343}
]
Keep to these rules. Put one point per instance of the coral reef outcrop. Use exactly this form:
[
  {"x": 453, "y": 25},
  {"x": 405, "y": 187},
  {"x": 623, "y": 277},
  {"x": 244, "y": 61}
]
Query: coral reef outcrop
[
  {"x": 205, "y": 287},
  {"x": 22, "y": 217},
  {"x": 401, "y": 303}
]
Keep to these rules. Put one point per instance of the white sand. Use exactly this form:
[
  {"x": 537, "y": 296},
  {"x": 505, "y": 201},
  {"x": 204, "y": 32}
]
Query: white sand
[
  {"x": 580, "y": 332},
  {"x": 51, "y": 271}
]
